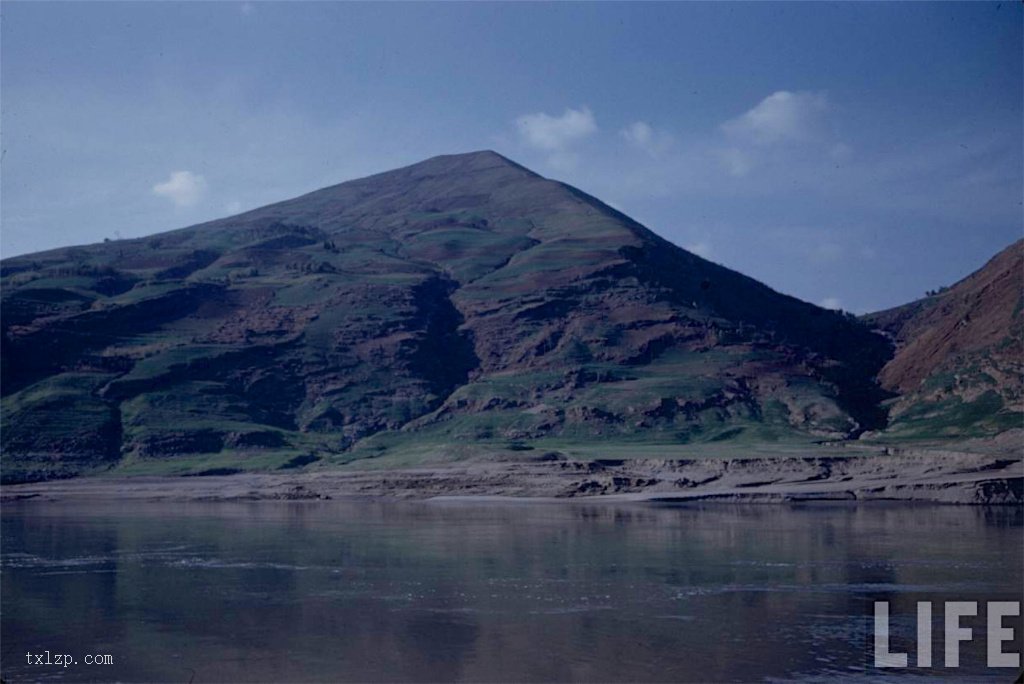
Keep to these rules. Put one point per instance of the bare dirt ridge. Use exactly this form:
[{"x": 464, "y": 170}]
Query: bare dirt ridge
[
  {"x": 958, "y": 365},
  {"x": 973, "y": 315}
]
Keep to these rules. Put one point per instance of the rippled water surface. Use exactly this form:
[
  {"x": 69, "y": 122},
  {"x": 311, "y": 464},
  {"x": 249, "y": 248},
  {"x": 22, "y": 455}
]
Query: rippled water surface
[{"x": 368, "y": 591}]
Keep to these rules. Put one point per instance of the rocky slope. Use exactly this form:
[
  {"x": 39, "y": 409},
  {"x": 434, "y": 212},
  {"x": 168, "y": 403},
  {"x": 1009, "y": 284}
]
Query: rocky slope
[
  {"x": 463, "y": 303},
  {"x": 958, "y": 366}
]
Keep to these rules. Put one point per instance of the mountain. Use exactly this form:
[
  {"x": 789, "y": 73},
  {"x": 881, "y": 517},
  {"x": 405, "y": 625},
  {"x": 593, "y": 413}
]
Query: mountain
[
  {"x": 958, "y": 367},
  {"x": 458, "y": 306}
]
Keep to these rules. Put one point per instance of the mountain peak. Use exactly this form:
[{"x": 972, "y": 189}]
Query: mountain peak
[
  {"x": 455, "y": 165},
  {"x": 462, "y": 299},
  {"x": 474, "y": 155}
]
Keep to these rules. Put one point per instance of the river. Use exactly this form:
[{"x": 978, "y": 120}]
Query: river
[{"x": 430, "y": 591}]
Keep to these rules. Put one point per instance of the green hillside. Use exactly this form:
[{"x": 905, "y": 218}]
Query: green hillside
[{"x": 455, "y": 307}]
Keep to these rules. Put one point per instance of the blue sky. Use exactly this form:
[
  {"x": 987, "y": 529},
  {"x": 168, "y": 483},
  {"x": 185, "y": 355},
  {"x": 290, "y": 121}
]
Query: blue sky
[{"x": 850, "y": 154}]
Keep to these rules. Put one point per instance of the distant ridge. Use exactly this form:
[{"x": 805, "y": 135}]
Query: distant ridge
[{"x": 959, "y": 360}]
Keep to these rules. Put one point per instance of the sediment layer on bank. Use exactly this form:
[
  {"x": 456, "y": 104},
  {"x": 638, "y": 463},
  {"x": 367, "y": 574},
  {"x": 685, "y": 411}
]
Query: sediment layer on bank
[{"x": 939, "y": 477}]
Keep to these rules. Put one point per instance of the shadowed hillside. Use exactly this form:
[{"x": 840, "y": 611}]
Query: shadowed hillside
[{"x": 460, "y": 303}]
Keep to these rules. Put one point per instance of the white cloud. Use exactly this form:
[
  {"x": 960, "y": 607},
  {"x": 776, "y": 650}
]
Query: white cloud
[
  {"x": 701, "y": 249},
  {"x": 786, "y": 131},
  {"x": 737, "y": 162},
  {"x": 781, "y": 117},
  {"x": 639, "y": 133},
  {"x": 642, "y": 135},
  {"x": 556, "y": 133},
  {"x": 233, "y": 207},
  {"x": 831, "y": 303},
  {"x": 246, "y": 8},
  {"x": 184, "y": 188}
]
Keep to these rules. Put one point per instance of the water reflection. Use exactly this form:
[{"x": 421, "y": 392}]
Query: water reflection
[{"x": 386, "y": 591}]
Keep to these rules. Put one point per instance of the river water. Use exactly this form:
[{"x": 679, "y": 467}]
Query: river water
[{"x": 399, "y": 591}]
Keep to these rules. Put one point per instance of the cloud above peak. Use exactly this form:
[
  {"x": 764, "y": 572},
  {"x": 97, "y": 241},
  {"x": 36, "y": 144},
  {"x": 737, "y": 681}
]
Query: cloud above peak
[
  {"x": 642, "y": 135},
  {"x": 184, "y": 188},
  {"x": 639, "y": 133},
  {"x": 556, "y": 133},
  {"x": 783, "y": 116}
]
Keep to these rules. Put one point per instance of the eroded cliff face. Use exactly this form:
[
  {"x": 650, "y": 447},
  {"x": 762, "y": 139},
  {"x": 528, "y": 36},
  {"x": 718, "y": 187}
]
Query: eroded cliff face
[{"x": 461, "y": 299}]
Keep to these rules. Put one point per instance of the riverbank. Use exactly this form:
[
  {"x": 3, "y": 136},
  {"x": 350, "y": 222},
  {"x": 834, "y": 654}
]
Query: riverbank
[{"x": 925, "y": 476}]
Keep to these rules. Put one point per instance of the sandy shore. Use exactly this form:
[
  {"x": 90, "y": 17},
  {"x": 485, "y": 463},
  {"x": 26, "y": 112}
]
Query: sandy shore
[{"x": 927, "y": 476}]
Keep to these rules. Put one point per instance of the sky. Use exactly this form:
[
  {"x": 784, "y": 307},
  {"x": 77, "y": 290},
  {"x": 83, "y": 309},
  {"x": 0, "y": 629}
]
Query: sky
[{"x": 854, "y": 154}]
